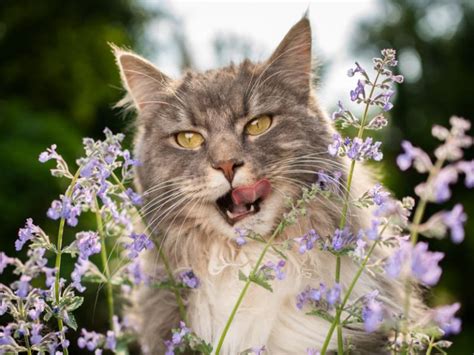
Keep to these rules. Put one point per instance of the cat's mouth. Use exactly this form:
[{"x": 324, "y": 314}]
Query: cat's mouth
[{"x": 243, "y": 201}]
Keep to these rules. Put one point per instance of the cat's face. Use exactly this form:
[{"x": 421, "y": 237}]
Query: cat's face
[{"x": 225, "y": 148}]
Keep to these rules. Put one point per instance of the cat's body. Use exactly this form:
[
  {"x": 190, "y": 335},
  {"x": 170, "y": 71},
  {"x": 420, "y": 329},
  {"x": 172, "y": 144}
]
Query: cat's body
[{"x": 181, "y": 187}]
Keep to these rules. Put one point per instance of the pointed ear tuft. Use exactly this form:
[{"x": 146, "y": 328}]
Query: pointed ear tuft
[
  {"x": 142, "y": 80},
  {"x": 293, "y": 55}
]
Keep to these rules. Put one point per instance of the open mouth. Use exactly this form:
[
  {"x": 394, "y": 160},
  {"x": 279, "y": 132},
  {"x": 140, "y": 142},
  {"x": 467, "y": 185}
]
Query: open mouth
[{"x": 243, "y": 201}]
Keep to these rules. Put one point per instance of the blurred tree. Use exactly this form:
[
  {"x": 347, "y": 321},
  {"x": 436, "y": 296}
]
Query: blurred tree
[{"x": 435, "y": 43}]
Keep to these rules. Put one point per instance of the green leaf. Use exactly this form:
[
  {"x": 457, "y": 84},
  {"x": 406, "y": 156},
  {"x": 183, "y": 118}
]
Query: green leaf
[
  {"x": 71, "y": 321},
  {"x": 261, "y": 282},
  {"x": 242, "y": 276},
  {"x": 321, "y": 314},
  {"x": 94, "y": 278},
  {"x": 75, "y": 303}
]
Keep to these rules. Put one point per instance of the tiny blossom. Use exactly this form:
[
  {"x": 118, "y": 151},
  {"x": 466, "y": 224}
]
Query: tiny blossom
[
  {"x": 241, "y": 236},
  {"x": 387, "y": 105},
  {"x": 372, "y": 313},
  {"x": 441, "y": 182},
  {"x": 372, "y": 233},
  {"x": 89, "y": 340},
  {"x": 306, "y": 242},
  {"x": 49, "y": 154},
  {"x": 444, "y": 317},
  {"x": 333, "y": 295},
  {"x": 276, "y": 268},
  {"x": 343, "y": 239},
  {"x": 378, "y": 122},
  {"x": 134, "y": 197},
  {"x": 328, "y": 181},
  {"x": 27, "y": 233},
  {"x": 4, "y": 261},
  {"x": 35, "y": 333},
  {"x": 467, "y": 167},
  {"x": 88, "y": 244},
  {"x": 136, "y": 274},
  {"x": 378, "y": 195},
  {"x": 139, "y": 243},
  {"x": 38, "y": 308},
  {"x": 311, "y": 351},
  {"x": 258, "y": 350},
  {"x": 64, "y": 209},
  {"x": 3, "y": 307},
  {"x": 455, "y": 220},
  {"x": 6, "y": 334},
  {"x": 340, "y": 113},
  {"x": 415, "y": 156},
  {"x": 189, "y": 279},
  {"x": 177, "y": 338},
  {"x": 23, "y": 286},
  {"x": 359, "y": 92},
  {"x": 359, "y": 251},
  {"x": 320, "y": 297},
  {"x": 80, "y": 268},
  {"x": 356, "y": 149},
  {"x": 358, "y": 69},
  {"x": 110, "y": 340}
]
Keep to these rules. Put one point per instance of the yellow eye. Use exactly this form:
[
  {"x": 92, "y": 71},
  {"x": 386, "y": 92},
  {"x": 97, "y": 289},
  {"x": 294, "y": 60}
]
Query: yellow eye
[
  {"x": 258, "y": 125},
  {"x": 189, "y": 140}
]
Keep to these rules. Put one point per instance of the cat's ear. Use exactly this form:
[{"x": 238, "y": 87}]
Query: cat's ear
[
  {"x": 142, "y": 80},
  {"x": 292, "y": 59}
]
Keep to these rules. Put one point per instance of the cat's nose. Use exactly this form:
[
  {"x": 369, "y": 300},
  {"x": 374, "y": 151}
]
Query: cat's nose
[{"x": 228, "y": 167}]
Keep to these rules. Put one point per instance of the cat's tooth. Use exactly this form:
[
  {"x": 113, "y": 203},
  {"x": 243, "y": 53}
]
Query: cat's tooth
[
  {"x": 230, "y": 214},
  {"x": 252, "y": 208}
]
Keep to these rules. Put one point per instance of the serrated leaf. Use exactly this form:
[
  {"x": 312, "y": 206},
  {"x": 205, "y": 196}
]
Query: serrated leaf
[
  {"x": 242, "y": 276},
  {"x": 321, "y": 314},
  {"x": 71, "y": 321},
  {"x": 261, "y": 282},
  {"x": 75, "y": 303}
]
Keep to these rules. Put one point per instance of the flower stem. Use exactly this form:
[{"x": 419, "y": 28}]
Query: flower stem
[
  {"x": 164, "y": 259},
  {"x": 336, "y": 320},
  {"x": 59, "y": 245},
  {"x": 27, "y": 340},
  {"x": 105, "y": 264},
  {"x": 242, "y": 294}
]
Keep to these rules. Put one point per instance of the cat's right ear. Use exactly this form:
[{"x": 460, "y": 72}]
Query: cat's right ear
[{"x": 143, "y": 81}]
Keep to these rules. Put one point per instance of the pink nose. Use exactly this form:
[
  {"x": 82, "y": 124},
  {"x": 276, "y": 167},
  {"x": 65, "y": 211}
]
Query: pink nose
[
  {"x": 228, "y": 167},
  {"x": 251, "y": 193}
]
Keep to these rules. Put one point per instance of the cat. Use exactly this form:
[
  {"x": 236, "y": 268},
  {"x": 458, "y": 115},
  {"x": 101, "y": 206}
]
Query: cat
[{"x": 224, "y": 149}]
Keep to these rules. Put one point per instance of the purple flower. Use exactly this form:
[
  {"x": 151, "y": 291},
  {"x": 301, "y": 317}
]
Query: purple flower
[
  {"x": 136, "y": 273},
  {"x": 424, "y": 264},
  {"x": 467, "y": 167},
  {"x": 38, "y": 308},
  {"x": 50, "y": 274},
  {"x": 134, "y": 197},
  {"x": 35, "y": 333},
  {"x": 311, "y": 351},
  {"x": 413, "y": 155},
  {"x": 387, "y": 105},
  {"x": 333, "y": 295},
  {"x": 333, "y": 149},
  {"x": 340, "y": 113},
  {"x": 88, "y": 244},
  {"x": 343, "y": 239},
  {"x": 455, "y": 220},
  {"x": 64, "y": 209},
  {"x": 27, "y": 233},
  {"x": 306, "y": 242},
  {"x": 372, "y": 313},
  {"x": 6, "y": 334},
  {"x": 110, "y": 340},
  {"x": 357, "y": 69},
  {"x": 258, "y": 350},
  {"x": 320, "y": 297},
  {"x": 89, "y": 340},
  {"x": 276, "y": 268},
  {"x": 49, "y": 154},
  {"x": 444, "y": 317},
  {"x": 359, "y": 251},
  {"x": 441, "y": 182},
  {"x": 373, "y": 232},
  {"x": 4, "y": 261},
  {"x": 378, "y": 195},
  {"x": 357, "y": 149},
  {"x": 139, "y": 242},
  {"x": 3, "y": 307},
  {"x": 23, "y": 286},
  {"x": 241, "y": 235},
  {"x": 189, "y": 279},
  {"x": 177, "y": 338},
  {"x": 359, "y": 92},
  {"x": 80, "y": 268}
]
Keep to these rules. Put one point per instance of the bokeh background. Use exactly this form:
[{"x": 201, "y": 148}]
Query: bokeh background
[{"x": 58, "y": 83}]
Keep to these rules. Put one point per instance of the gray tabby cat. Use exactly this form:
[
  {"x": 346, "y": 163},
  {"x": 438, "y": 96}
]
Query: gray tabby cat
[{"x": 223, "y": 149}]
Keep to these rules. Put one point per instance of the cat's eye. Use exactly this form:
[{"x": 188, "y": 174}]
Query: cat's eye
[
  {"x": 189, "y": 140},
  {"x": 258, "y": 125}
]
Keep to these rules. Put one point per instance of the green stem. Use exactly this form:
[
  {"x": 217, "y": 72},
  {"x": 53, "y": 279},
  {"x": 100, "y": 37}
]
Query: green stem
[
  {"x": 345, "y": 206},
  {"x": 59, "y": 245},
  {"x": 105, "y": 264},
  {"x": 242, "y": 294},
  {"x": 27, "y": 339},
  {"x": 164, "y": 259},
  {"x": 349, "y": 291},
  {"x": 430, "y": 347}
]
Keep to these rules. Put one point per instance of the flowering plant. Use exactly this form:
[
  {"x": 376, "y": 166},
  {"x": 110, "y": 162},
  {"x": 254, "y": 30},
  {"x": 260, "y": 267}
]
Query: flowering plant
[{"x": 39, "y": 306}]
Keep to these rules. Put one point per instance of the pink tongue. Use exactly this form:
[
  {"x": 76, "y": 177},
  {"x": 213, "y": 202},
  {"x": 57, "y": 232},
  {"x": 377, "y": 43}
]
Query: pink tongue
[{"x": 248, "y": 194}]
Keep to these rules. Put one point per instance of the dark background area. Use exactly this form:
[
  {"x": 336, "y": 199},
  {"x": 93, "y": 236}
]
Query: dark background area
[{"x": 59, "y": 83}]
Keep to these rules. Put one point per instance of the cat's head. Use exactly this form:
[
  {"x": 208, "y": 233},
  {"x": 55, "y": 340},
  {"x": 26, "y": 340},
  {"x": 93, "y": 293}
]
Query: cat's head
[{"x": 226, "y": 148}]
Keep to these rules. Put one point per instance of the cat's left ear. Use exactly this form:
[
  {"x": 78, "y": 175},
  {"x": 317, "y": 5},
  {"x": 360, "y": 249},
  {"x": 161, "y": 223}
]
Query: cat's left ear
[{"x": 292, "y": 61}]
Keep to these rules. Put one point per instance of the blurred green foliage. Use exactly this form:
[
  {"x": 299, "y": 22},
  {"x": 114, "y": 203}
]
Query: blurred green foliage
[{"x": 435, "y": 43}]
